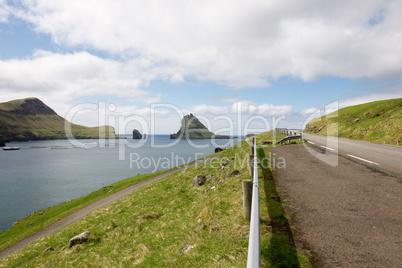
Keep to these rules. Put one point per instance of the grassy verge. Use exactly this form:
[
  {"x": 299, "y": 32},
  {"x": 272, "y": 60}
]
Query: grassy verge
[
  {"x": 153, "y": 225},
  {"x": 274, "y": 136},
  {"x": 43, "y": 218},
  {"x": 379, "y": 121}
]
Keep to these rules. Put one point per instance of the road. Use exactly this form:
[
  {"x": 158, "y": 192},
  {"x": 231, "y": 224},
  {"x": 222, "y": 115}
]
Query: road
[
  {"x": 81, "y": 213},
  {"x": 383, "y": 157},
  {"x": 348, "y": 215}
]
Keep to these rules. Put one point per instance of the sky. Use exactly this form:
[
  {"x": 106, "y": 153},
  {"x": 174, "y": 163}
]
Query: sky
[{"x": 240, "y": 66}]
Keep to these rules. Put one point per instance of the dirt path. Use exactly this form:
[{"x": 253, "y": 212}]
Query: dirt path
[
  {"x": 81, "y": 213},
  {"x": 347, "y": 216}
]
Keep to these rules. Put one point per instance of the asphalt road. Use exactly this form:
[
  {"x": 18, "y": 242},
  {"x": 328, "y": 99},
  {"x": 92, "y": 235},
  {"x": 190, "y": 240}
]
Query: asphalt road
[
  {"x": 386, "y": 158},
  {"x": 348, "y": 215},
  {"x": 81, "y": 213}
]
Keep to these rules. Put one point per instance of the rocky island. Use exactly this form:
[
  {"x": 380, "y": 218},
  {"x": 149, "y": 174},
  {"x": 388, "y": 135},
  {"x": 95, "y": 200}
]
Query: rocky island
[
  {"x": 137, "y": 134},
  {"x": 30, "y": 119},
  {"x": 192, "y": 128}
]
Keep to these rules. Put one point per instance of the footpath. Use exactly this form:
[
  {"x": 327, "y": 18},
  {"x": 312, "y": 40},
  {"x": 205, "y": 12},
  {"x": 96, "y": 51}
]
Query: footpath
[
  {"x": 347, "y": 216},
  {"x": 81, "y": 213}
]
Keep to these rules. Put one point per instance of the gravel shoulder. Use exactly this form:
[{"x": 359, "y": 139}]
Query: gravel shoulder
[
  {"x": 81, "y": 213},
  {"x": 347, "y": 216}
]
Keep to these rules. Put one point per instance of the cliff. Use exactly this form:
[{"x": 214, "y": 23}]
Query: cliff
[
  {"x": 192, "y": 128},
  {"x": 31, "y": 119}
]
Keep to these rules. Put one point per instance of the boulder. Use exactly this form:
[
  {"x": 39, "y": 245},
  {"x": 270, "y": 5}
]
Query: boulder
[
  {"x": 187, "y": 248},
  {"x": 234, "y": 173},
  {"x": 218, "y": 149},
  {"x": 48, "y": 249},
  {"x": 225, "y": 163},
  {"x": 266, "y": 142},
  {"x": 209, "y": 178},
  {"x": 199, "y": 180},
  {"x": 78, "y": 239}
]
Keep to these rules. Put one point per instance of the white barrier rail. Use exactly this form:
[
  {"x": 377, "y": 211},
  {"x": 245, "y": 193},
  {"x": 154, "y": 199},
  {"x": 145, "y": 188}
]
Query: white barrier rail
[{"x": 254, "y": 250}]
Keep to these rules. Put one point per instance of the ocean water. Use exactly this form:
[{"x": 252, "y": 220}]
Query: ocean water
[{"x": 46, "y": 173}]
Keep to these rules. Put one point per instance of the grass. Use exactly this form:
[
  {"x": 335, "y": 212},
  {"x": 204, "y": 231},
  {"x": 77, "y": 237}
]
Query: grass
[
  {"x": 45, "y": 217},
  {"x": 152, "y": 226},
  {"x": 379, "y": 121}
]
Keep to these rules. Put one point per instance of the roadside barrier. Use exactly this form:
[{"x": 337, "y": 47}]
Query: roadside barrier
[{"x": 254, "y": 250}]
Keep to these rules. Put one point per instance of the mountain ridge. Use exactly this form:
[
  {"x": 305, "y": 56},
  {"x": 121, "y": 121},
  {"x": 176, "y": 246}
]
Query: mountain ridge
[{"x": 30, "y": 119}]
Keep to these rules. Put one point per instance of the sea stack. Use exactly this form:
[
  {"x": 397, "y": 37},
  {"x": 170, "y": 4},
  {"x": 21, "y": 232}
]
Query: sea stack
[
  {"x": 137, "y": 135},
  {"x": 192, "y": 128}
]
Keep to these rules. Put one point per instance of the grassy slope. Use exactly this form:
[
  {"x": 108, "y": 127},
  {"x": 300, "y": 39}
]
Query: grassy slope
[
  {"x": 50, "y": 215},
  {"x": 379, "y": 121},
  {"x": 150, "y": 227},
  {"x": 16, "y": 125}
]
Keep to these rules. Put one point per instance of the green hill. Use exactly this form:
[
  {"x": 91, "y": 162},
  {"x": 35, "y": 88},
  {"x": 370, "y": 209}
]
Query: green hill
[
  {"x": 30, "y": 119},
  {"x": 192, "y": 128},
  {"x": 379, "y": 121}
]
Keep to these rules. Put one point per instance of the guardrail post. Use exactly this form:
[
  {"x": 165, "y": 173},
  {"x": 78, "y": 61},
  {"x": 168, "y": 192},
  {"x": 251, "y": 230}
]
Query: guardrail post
[
  {"x": 250, "y": 164},
  {"x": 247, "y": 187}
]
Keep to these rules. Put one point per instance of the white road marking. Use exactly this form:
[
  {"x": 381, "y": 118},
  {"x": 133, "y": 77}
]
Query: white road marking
[
  {"x": 327, "y": 148},
  {"x": 310, "y": 142},
  {"x": 362, "y": 159}
]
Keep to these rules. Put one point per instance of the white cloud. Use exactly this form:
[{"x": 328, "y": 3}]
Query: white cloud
[
  {"x": 308, "y": 111},
  {"x": 238, "y": 44},
  {"x": 244, "y": 107},
  {"x": 4, "y": 11},
  {"x": 81, "y": 74}
]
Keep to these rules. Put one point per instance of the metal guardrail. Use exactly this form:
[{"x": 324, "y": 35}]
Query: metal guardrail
[{"x": 254, "y": 250}]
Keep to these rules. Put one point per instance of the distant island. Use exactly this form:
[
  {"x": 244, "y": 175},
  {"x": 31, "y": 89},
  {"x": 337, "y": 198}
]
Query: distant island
[
  {"x": 30, "y": 119},
  {"x": 192, "y": 128}
]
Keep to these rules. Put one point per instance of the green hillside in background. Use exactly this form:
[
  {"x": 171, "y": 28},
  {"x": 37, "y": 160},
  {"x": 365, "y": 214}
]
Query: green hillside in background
[
  {"x": 192, "y": 128},
  {"x": 30, "y": 119},
  {"x": 379, "y": 121}
]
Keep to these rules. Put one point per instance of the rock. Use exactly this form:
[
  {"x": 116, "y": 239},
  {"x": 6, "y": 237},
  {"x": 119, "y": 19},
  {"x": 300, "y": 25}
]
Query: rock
[
  {"x": 225, "y": 163},
  {"x": 48, "y": 249},
  {"x": 192, "y": 128},
  {"x": 187, "y": 248},
  {"x": 266, "y": 142},
  {"x": 356, "y": 120},
  {"x": 199, "y": 180},
  {"x": 40, "y": 213},
  {"x": 215, "y": 180},
  {"x": 234, "y": 173},
  {"x": 319, "y": 129},
  {"x": 137, "y": 135},
  {"x": 78, "y": 239},
  {"x": 218, "y": 149},
  {"x": 213, "y": 229},
  {"x": 199, "y": 228},
  {"x": 15, "y": 223},
  {"x": 231, "y": 257}
]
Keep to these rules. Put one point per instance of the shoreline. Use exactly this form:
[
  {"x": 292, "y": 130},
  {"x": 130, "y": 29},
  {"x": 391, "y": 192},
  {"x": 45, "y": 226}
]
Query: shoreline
[{"x": 83, "y": 211}]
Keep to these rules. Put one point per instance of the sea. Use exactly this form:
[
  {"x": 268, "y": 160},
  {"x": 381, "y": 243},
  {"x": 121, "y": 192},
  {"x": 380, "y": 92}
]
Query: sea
[{"x": 46, "y": 173}]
